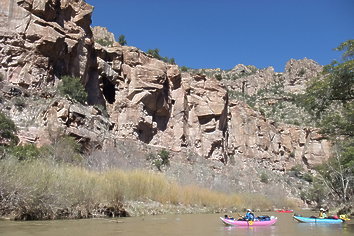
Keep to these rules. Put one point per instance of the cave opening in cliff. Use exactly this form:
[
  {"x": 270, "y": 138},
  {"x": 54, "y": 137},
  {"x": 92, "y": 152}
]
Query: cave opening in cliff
[
  {"x": 108, "y": 90},
  {"x": 145, "y": 132}
]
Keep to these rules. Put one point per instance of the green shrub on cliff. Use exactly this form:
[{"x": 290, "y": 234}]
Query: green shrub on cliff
[
  {"x": 104, "y": 42},
  {"x": 160, "y": 160},
  {"x": 73, "y": 87},
  {"x": 156, "y": 54},
  {"x": 20, "y": 103},
  {"x": 264, "y": 178},
  {"x": 184, "y": 68},
  {"x": 7, "y": 130},
  {"x": 121, "y": 40}
]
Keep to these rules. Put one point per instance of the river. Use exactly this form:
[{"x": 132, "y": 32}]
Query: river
[{"x": 172, "y": 225}]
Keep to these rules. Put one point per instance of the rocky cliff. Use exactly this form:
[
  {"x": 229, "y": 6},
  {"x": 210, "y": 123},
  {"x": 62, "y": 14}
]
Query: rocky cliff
[{"x": 146, "y": 100}]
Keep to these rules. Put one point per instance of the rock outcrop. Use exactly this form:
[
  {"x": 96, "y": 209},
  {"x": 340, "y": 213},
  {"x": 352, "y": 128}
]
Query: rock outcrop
[
  {"x": 41, "y": 40},
  {"x": 145, "y": 99},
  {"x": 253, "y": 136}
]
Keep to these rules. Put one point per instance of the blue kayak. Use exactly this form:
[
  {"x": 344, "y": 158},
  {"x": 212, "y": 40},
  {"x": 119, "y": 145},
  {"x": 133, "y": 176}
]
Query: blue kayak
[{"x": 317, "y": 220}]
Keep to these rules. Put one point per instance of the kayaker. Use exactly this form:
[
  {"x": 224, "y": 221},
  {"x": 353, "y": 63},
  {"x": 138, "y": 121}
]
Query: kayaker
[
  {"x": 322, "y": 214},
  {"x": 249, "y": 215}
]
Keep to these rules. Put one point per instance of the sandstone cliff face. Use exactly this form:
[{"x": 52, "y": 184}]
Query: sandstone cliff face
[
  {"x": 153, "y": 102},
  {"x": 253, "y": 136},
  {"x": 146, "y": 99},
  {"x": 41, "y": 40}
]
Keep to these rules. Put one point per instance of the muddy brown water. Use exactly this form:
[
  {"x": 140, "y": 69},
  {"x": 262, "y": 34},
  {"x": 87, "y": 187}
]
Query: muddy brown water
[{"x": 172, "y": 225}]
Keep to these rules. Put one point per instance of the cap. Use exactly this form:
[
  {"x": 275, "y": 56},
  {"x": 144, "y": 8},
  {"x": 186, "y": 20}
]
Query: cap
[
  {"x": 321, "y": 209},
  {"x": 249, "y": 210}
]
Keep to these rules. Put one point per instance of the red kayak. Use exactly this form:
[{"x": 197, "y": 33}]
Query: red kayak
[{"x": 285, "y": 211}]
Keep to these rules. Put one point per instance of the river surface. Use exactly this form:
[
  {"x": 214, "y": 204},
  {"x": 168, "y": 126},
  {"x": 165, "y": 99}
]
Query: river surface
[{"x": 172, "y": 225}]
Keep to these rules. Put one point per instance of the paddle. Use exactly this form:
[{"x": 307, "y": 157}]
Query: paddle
[{"x": 239, "y": 215}]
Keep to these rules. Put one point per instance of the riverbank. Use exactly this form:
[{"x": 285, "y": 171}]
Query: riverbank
[{"x": 44, "y": 190}]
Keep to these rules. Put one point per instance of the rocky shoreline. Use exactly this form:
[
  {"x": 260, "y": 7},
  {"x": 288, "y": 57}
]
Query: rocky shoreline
[{"x": 129, "y": 209}]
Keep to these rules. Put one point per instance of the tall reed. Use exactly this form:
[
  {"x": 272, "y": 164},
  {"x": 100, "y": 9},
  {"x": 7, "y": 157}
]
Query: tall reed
[{"x": 42, "y": 188}]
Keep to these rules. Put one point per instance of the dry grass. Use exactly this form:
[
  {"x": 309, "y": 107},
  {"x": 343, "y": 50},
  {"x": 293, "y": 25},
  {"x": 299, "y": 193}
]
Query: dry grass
[{"x": 43, "y": 188}]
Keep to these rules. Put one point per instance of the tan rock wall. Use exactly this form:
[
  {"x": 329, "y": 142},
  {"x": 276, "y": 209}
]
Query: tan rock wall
[
  {"x": 41, "y": 40},
  {"x": 146, "y": 99},
  {"x": 253, "y": 136}
]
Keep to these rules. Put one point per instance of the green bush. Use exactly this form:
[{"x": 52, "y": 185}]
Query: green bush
[
  {"x": 218, "y": 77},
  {"x": 307, "y": 177},
  {"x": 121, "y": 40},
  {"x": 159, "y": 160},
  {"x": 104, "y": 42},
  {"x": 297, "y": 170},
  {"x": 302, "y": 72},
  {"x": 7, "y": 129},
  {"x": 25, "y": 152},
  {"x": 184, "y": 68},
  {"x": 292, "y": 154},
  {"x": 264, "y": 178},
  {"x": 316, "y": 193},
  {"x": 73, "y": 87},
  {"x": 165, "y": 156},
  {"x": 156, "y": 54},
  {"x": 19, "y": 103}
]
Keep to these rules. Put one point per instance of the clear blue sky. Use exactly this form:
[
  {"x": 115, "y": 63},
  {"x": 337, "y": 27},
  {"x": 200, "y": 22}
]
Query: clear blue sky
[{"x": 224, "y": 33}]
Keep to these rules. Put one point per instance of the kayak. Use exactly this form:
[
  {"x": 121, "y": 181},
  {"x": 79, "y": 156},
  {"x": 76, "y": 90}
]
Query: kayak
[
  {"x": 285, "y": 211},
  {"x": 235, "y": 222},
  {"x": 317, "y": 220}
]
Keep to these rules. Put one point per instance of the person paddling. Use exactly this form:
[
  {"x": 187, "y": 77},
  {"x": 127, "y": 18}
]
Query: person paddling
[
  {"x": 249, "y": 215},
  {"x": 322, "y": 214}
]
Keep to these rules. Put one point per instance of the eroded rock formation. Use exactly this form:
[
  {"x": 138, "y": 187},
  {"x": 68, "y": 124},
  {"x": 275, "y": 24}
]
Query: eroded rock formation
[{"x": 146, "y": 99}]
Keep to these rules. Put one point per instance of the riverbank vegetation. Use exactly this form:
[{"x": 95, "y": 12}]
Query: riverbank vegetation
[
  {"x": 330, "y": 101},
  {"x": 57, "y": 181},
  {"x": 44, "y": 189}
]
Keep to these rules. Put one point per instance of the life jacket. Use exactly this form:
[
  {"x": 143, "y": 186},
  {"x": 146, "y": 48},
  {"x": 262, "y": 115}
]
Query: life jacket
[
  {"x": 322, "y": 215},
  {"x": 249, "y": 216}
]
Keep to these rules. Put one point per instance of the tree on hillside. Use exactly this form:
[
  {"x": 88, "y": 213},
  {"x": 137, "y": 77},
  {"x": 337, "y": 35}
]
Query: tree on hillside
[
  {"x": 121, "y": 40},
  {"x": 330, "y": 100},
  {"x": 73, "y": 87},
  {"x": 338, "y": 173},
  {"x": 336, "y": 87}
]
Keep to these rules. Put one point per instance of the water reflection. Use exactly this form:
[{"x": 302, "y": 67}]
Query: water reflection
[
  {"x": 324, "y": 229},
  {"x": 171, "y": 225},
  {"x": 244, "y": 230}
]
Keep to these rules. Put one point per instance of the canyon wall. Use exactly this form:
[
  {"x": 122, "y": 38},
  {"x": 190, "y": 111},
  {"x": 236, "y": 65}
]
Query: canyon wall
[{"x": 146, "y": 100}]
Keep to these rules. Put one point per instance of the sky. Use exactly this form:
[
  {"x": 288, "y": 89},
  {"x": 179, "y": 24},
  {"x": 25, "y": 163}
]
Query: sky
[{"x": 224, "y": 33}]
